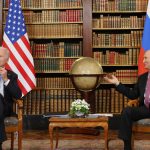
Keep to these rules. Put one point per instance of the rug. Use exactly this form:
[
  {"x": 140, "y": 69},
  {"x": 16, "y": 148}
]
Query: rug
[{"x": 94, "y": 144}]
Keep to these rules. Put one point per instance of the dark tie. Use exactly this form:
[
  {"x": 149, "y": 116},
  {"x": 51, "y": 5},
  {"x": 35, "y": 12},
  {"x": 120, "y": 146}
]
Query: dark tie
[{"x": 147, "y": 92}]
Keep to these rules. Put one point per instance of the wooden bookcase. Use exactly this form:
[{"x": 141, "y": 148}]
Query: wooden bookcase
[
  {"x": 108, "y": 30},
  {"x": 117, "y": 28}
]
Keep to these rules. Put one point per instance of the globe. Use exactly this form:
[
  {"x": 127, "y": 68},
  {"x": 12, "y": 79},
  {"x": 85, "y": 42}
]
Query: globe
[{"x": 86, "y": 74}]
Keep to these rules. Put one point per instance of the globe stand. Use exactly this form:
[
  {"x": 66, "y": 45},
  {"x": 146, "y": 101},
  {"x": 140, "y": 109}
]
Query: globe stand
[{"x": 89, "y": 96}]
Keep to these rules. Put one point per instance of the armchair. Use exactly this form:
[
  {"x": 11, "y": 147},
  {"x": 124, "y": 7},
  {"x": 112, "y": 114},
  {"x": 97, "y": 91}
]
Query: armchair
[
  {"x": 142, "y": 125},
  {"x": 14, "y": 124}
]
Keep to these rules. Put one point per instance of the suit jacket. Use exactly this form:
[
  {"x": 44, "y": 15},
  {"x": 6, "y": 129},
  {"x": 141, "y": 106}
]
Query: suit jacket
[
  {"x": 6, "y": 103},
  {"x": 137, "y": 91},
  {"x": 11, "y": 91}
]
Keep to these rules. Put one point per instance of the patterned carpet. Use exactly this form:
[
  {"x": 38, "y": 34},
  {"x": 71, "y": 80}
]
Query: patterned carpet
[
  {"x": 39, "y": 140},
  {"x": 92, "y": 144}
]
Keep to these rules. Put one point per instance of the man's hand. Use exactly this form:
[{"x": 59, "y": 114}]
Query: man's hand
[
  {"x": 3, "y": 73},
  {"x": 111, "y": 79}
]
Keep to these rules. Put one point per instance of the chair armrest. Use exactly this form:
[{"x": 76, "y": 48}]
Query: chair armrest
[
  {"x": 19, "y": 103},
  {"x": 133, "y": 103}
]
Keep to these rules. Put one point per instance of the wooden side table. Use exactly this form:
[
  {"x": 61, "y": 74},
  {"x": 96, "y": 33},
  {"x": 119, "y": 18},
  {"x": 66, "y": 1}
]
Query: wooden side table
[{"x": 78, "y": 122}]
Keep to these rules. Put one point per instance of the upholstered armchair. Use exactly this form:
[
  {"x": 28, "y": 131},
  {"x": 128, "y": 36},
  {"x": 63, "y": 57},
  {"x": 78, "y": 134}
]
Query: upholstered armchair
[
  {"x": 14, "y": 124},
  {"x": 142, "y": 125}
]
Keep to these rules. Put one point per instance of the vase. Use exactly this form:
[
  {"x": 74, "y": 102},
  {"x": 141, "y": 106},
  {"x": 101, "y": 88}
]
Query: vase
[{"x": 80, "y": 114}]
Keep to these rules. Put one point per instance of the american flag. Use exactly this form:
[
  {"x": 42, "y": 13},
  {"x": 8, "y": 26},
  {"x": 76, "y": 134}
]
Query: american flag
[{"x": 15, "y": 38}]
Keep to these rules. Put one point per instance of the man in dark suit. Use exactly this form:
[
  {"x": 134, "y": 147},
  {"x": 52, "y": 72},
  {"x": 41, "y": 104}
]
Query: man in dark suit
[
  {"x": 8, "y": 90},
  {"x": 131, "y": 114}
]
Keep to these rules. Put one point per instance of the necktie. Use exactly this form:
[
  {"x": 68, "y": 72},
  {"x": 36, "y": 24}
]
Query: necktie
[{"x": 147, "y": 92}]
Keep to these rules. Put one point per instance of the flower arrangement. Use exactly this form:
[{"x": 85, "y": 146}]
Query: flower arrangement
[{"x": 79, "y": 108}]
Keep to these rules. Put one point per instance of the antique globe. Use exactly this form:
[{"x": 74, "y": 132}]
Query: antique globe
[{"x": 86, "y": 74}]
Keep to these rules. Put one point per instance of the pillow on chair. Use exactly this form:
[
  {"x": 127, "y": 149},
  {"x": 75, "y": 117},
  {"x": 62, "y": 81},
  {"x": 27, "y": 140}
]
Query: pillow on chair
[
  {"x": 143, "y": 122},
  {"x": 11, "y": 121}
]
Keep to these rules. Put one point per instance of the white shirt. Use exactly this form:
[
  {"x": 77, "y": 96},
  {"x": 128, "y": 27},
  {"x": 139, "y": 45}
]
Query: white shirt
[{"x": 2, "y": 83}]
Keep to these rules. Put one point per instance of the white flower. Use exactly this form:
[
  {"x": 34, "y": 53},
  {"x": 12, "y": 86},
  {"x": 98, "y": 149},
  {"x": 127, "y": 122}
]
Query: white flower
[{"x": 79, "y": 106}]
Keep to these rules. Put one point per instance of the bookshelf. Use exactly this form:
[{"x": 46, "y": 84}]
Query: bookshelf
[
  {"x": 61, "y": 31},
  {"x": 117, "y": 28}
]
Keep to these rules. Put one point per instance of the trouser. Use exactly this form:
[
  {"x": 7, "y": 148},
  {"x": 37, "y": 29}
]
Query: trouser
[
  {"x": 2, "y": 126},
  {"x": 128, "y": 116}
]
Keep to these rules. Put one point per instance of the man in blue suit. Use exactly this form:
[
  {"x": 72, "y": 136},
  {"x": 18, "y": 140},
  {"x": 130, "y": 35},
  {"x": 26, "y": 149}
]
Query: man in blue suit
[
  {"x": 131, "y": 114},
  {"x": 9, "y": 90}
]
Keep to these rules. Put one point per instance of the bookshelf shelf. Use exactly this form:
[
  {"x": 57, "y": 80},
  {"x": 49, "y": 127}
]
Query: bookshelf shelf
[
  {"x": 49, "y": 23},
  {"x": 55, "y": 88},
  {"x": 118, "y": 12},
  {"x": 99, "y": 29},
  {"x": 127, "y": 83},
  {"x": 53, "y": 37},
  {"x": 52, "y": 72},
  {"x": 55, "y": 57},
  {"x": 115, "y": 47},
  {"x": 58, "y": 8},
  {"x": 120, "y": 65}
]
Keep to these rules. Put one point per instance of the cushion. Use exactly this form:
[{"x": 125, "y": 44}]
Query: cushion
[
  {"x": 143, "y": 122},
  {"x": 10, "y": 121}
]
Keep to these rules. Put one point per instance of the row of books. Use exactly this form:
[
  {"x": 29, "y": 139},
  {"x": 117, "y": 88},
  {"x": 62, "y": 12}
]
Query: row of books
[
  {"x": 119, "y": 21},
  {"x": 55, "y": 30},
  {"x": 124, "y": 76},
  {"x": 57, "y": 49},
  {"x": 119, "y": 57},
  {"x": 53, "y": 64},
  {"x": 54, "y": 82},
  {"x": 98, "y": 5},
  {"x": 119, "y": 5},
  {"x": 50, "y": 16},
  {"x": 52, "y": 100},
  {"x": 46, "y": 3},
  {"x": 110, "y": 101},
  {"x": 44, "y": 101},
  {"x": 119, "y": 39}
]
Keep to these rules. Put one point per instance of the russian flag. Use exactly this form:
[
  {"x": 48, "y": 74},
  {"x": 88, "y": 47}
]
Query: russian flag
[{"x": 145, "y": 42}]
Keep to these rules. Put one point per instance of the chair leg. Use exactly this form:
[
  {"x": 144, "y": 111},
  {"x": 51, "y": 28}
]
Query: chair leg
[
  {"x": 19, "y": 140},
  {"x": 12, "y": 140},
  {"x": 132, "y": 141}
]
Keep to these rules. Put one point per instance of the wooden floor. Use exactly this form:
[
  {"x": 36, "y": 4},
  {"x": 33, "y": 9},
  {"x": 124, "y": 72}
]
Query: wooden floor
[{"x": 34, "y": 134}]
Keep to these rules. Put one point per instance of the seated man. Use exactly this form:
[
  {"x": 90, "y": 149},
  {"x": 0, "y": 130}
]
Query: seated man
[
  {"x": 141, "y": 91},
  {"x": 8, "y": 90}
]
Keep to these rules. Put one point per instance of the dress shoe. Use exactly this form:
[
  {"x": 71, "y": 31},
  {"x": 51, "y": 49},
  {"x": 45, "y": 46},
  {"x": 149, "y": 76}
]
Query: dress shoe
[
  {"x": 0, "y": 146},
  {"x": 127, "y": 145}
]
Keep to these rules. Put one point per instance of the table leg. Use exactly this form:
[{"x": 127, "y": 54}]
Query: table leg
[
  {"x": 106, "y": 136},
  {"x": 57, "y": 136},
  {"x": 51, "y": 136}
]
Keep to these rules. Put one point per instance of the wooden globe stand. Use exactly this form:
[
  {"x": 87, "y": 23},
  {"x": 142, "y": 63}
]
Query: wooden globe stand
[{"x": 89, "y": 96}]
